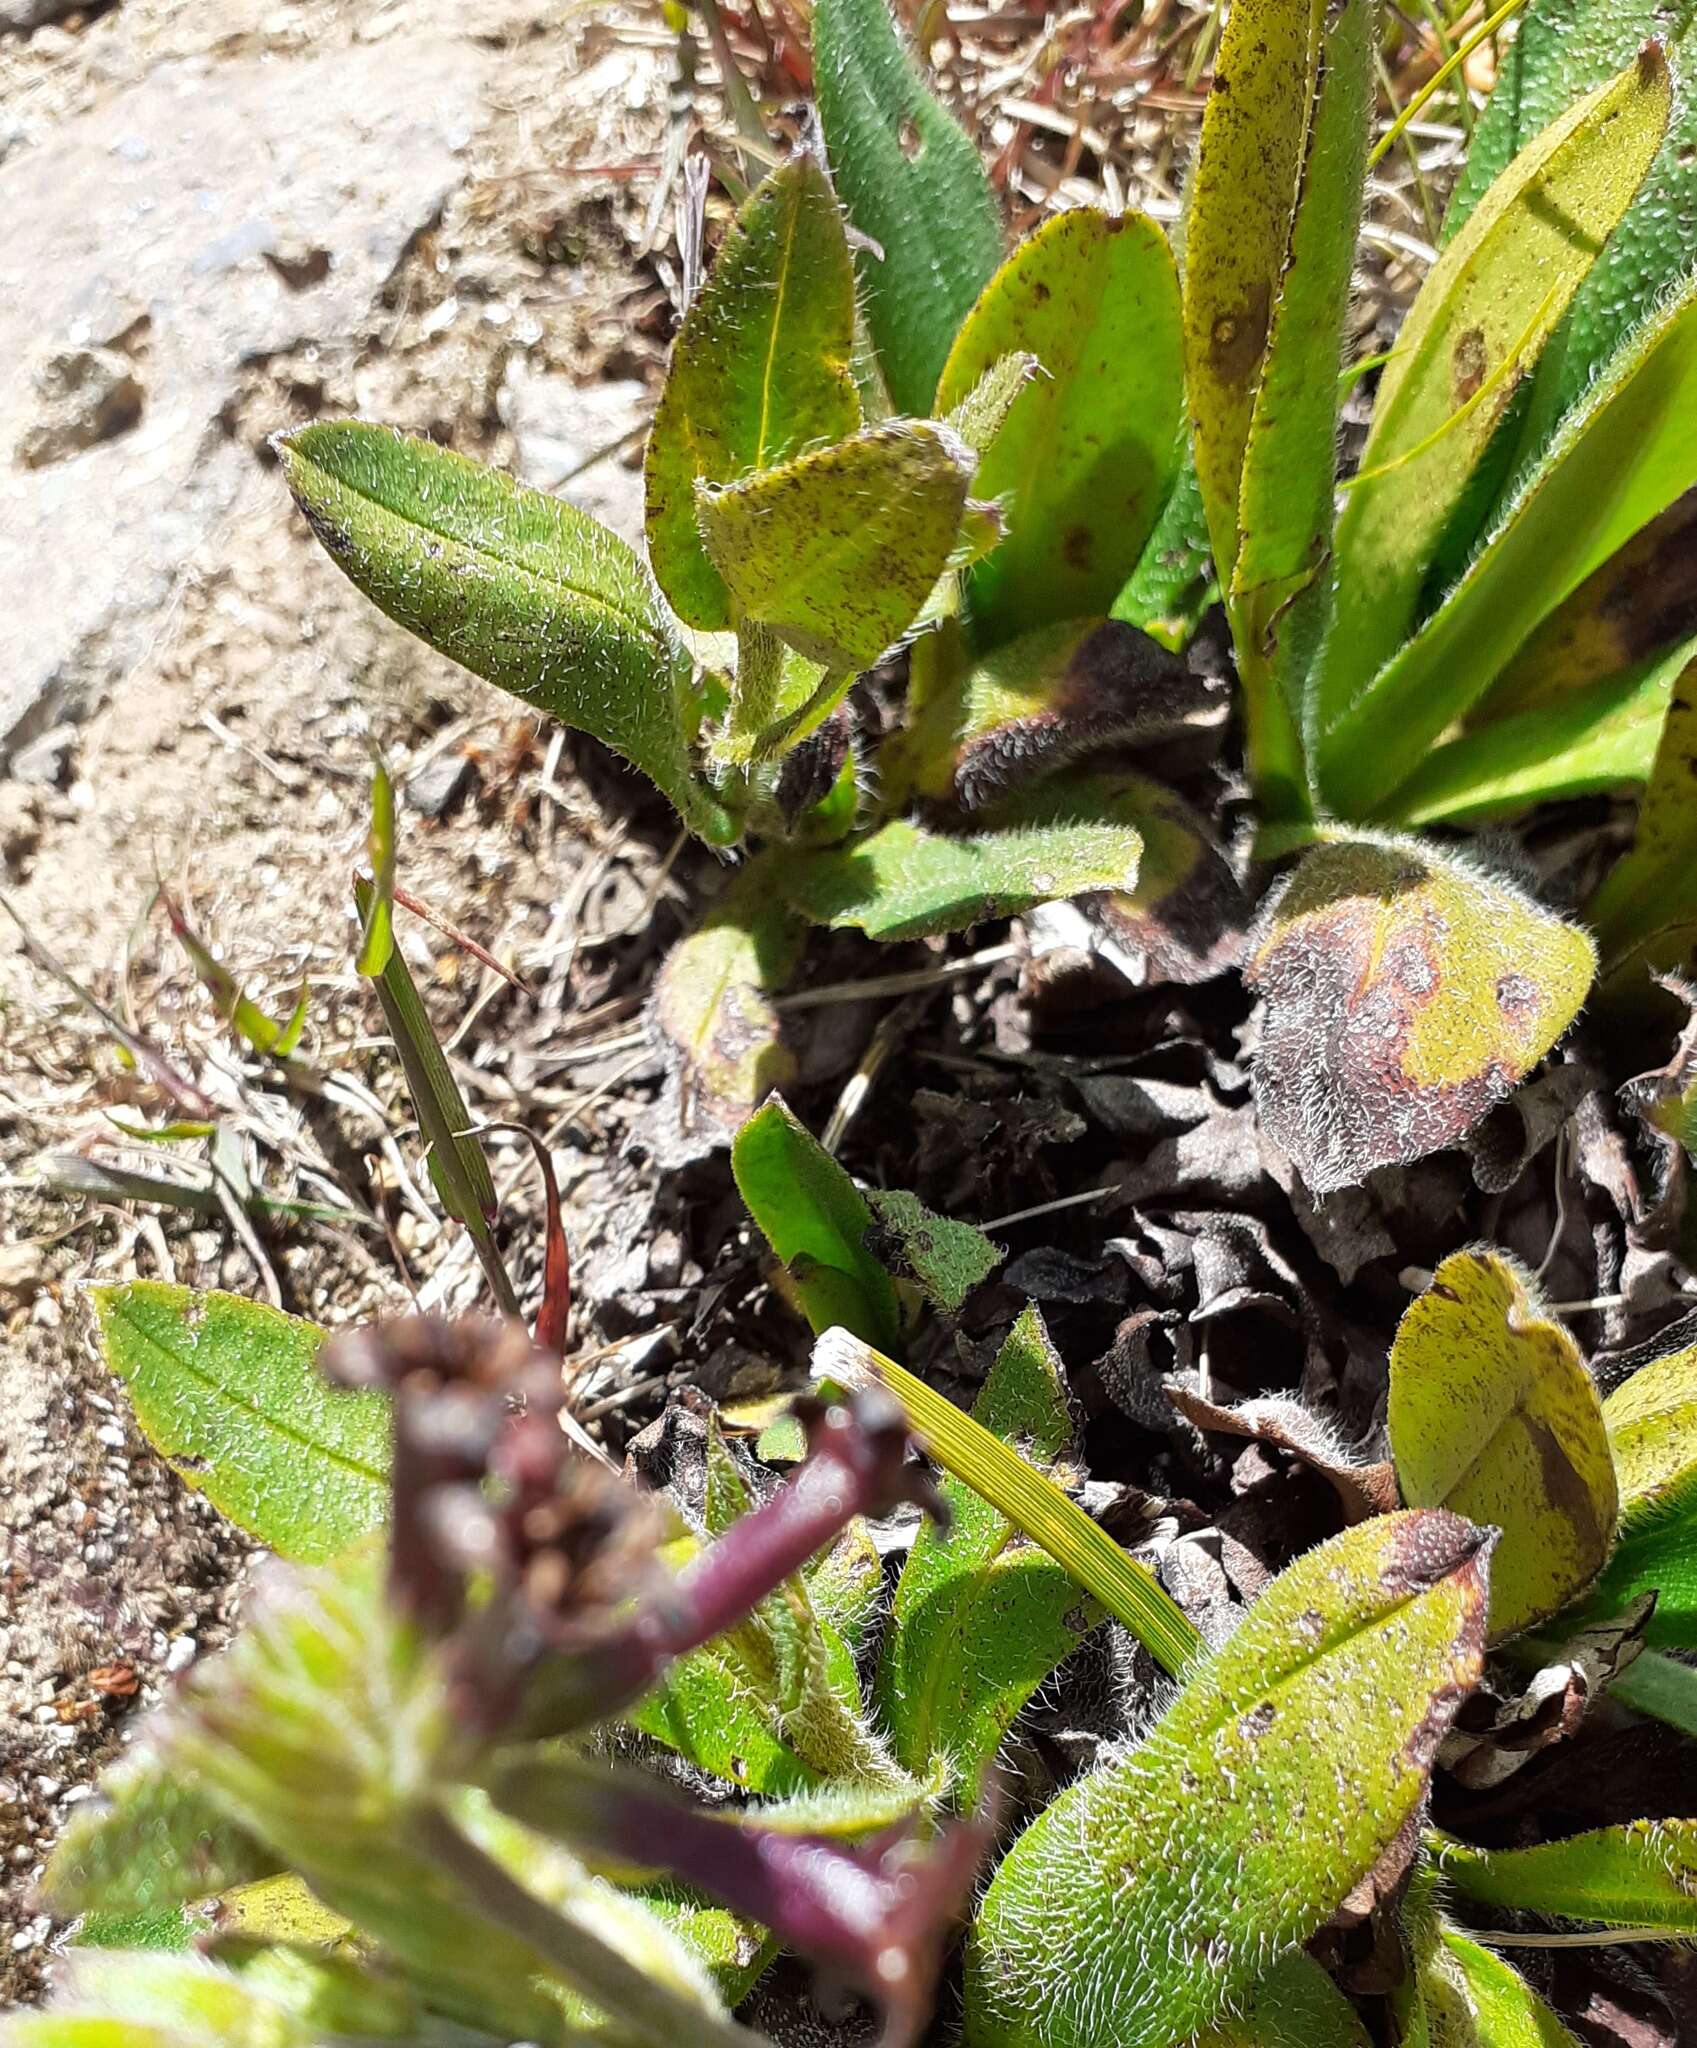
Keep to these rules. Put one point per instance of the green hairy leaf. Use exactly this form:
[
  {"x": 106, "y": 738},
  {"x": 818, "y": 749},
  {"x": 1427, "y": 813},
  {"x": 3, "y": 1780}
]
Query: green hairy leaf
[
  {"x": 1641, "y": 1875},
  {"x": 1173, "y": 583},
  {"x": 228, "y": 1392},
  {"x": 1624, "y": 454},
  {"x": 1493, "y": 1415},
  {"x": 816, "y": 1220},
  {"x": 1295, "y": 2006},
  {"x": 149, "y": 1842},
  {"x": 1155, "y": 1893},
  {"x": 838, "y": 550},
  {"x": 1088, "y": 452},
  {"x": 946, "y": 1259},
  {"x": 913, "y": 186},
  {"x": 514, "y": 585},
  {"x": 983, "y": 1615},
  {"x": 1477, "y": 327},
  {"x": 1645, "y": 910},
  {"x": 1406, "y": 995},
  {"x": 1463, "y": 1996},
  {"x": 1591, "y": 742},
  {"x": 904, "y": 881},
  {"x": 1651, "y": 1418},
  {"x": 759, "y": 371}
]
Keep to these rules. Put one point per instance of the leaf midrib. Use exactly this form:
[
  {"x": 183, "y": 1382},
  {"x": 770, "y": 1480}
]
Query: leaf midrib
[
  {"x": 246, "y": 1405},
  {"x": 643, "y": 626}
]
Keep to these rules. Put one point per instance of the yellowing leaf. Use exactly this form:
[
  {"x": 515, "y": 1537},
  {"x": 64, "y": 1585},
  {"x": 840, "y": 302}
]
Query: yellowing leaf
[
  {"x": 1481, "y": 318},
  {"x": 712, "y": 1008},
  {"x": 1463, "y": 1996},
  {"x": 1651, "y": 1418},
  {"x": 838, "y": 550},
  {"x": 1088, "y": 452},
  {"x": 1493, "y": 1415},
  {"x": 1152, "y": 1895},
  {"x": 1254, "y": 129},
  {"x": 759, "y": 371},
  {"x": 229, "y": 1392},
  {"x": 1406, "y": 995}
]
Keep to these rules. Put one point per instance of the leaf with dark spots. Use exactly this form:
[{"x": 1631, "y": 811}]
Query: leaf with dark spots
[
  {"x": 837, "y": 550},
  {"x": 1280, "y": 596},
  {"x": 515, "y": 585},
  {"x": 904, "y": 881},
  {"x": 1151, "y": 1896},
  {"x": 914, "y": 189},
  {"x": 1088, "y": 452},
  {"x": 1363, "y": 1490},
  {"x": 1492, "y": 1414},
  {"x": 1041, "y": 701},
  {"x": 1645, "y": 909},
  {"x": 759, "y": 371},
  {"x": 1406, "y": 993},
  {"x": 1638, "y": 605},
  {"x": 1482, "y": 315},
  {"x": 1241, "y": 203},
  {"x": 1623, "y": 455},
  {"x": 712, "y": 1011}
]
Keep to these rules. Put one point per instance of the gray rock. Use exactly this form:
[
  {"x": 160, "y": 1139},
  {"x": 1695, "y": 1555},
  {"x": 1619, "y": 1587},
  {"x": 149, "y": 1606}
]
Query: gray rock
[
  {"x": 561, "y": 427},
  {"x": 192, "y": 201},
  {"x": 87, "y": 395},
  {"x": 439, "y": 784}
]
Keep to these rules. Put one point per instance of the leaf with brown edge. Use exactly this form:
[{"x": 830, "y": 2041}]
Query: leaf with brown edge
[
  {"x": 712, "y": 1012},
  {"x": 759, "y": 371},
  {"x": 1088, "y": 452},
  {"x": 1639, "y": 604},
  {"x": 1493, "y": 1415},
  {"x": 1407, "y": 993},
  {"x": 1362, "y": 1490},
  {"x": 1039, "y": 702},
  {"x": 1151, "y": 1897},
  {"x": 1185, "y": 920},
  {"x": 838, "y": 550}
]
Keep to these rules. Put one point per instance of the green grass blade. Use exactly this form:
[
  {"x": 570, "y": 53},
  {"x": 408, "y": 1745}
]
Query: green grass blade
[{"x": 1129, "y": 1591}]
